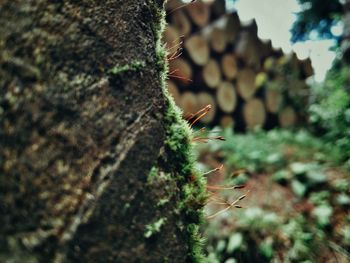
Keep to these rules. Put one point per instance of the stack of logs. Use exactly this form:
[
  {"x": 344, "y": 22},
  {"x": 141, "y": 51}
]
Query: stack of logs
[{"x": 215, "y": 59}]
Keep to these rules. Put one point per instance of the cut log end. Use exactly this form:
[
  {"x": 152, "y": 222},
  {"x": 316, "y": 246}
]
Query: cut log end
[
  {"x": 232, "y": 27},
  {"x": 229, "y": 66},
  {"x": 205, "y": 99},
  {"x": 181, "y": 22},
  {"x": 246, "y": 83},
  {"x": 287, "y": 117},
  {"x": 218, "y": 40},
  {"x": 273, "y": 100},
  {"x": 188, "y": 103},
  {"x": 181, "y": 71},
  {"x": 198, "y": 49},
  {"x": 171, "y": 38},
  {"x": 212, "y": 74},
  {"x": 254, "y": 113},
  {"x": 218, "y": 8},
  {"x": 227, "y": 121},
  {"x": 226, "y": 97},
  {"x": 199, "y": 13}
]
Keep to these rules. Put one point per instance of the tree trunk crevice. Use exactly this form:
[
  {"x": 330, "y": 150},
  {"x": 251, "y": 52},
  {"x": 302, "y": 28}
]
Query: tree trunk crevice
[{"x": 82, "y": 123}]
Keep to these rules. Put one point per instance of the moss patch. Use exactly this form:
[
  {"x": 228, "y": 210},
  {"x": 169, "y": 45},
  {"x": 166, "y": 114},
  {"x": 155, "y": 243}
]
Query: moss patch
[
  {"x": 178, "y": 160},
  {"x": 154, "y": 228},
  {"x": 133, "y": 66}
]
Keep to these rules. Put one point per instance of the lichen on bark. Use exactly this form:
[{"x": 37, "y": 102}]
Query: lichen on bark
[{"x": 81, "y": 126}]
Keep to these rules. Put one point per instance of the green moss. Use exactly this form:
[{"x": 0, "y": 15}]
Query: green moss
[
  {"x": 162, "y": 202},
  {"x": 157, "y": 175},
  {"x": 133, "y": 66},
  {"x": 125, "y": 208},
  {"x": 177, "y": 159},
  {"x": 152, "y": 174},
  {"x": 154, "y": 227},
  {"x": 196, "y": 243},
  {"x": 13, "y": 251},
  {"x": 159, "y": 20}
]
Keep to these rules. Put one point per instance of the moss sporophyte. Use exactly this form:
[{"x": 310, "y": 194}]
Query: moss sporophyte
[
  {"x": 213, "y": 196},
  {"x": 179, "y": 135}
]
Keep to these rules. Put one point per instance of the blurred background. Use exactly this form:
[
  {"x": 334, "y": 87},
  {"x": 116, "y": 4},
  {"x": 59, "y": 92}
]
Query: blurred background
[{"x": 277, "y": 76}]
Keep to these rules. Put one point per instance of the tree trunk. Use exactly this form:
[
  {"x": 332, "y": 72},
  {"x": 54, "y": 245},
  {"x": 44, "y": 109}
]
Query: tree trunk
[{"x": 94, "y": 159}]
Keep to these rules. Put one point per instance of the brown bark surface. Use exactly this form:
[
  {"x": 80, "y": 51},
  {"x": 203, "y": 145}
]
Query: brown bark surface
[{"x": 81, "y": 125}]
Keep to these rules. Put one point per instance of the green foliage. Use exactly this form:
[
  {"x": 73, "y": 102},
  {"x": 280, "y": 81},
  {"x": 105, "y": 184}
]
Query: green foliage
[
  {"x": 266, "y": 249},
  {"x": 256, "y": 219},
  {"x": 346, "y": 235},
  {"x": 330, "y": 111},
  {"x": 323, "y": 214},
  {"x": 282, "y": 176},
  {"x": 269, "y": 151},
  {"x": 343, "y": 200},
  {"x": 304, "y": 242},
  {"x": 268, "y": 232},
  {"x": 341, "y": 184},
  {"x": 253, "y": 152},
  {"x": 320, "y": 198},
  {"x": 298, "y": 188},
  {"x": 316, "y": 16},
  {"x": 234, "y": 242},
  {"x": 152, "y": 173},
  {"x": 314, "y": 194}
]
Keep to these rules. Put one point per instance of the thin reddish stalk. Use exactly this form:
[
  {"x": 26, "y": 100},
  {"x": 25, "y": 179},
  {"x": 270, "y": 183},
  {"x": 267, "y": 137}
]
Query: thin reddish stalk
[
  {"x": 214, "y": 170},
  {"x": 234, "y": 203},
  {"x": 181, "y": 6},
  {"x": 201, "y": 114},
  {"x": 224, "y": 187}
]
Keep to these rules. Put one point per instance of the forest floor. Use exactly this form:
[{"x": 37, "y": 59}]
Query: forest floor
[{"x": 297, "y": 207}]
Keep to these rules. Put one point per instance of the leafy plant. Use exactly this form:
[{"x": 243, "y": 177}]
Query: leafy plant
[
  {"x": 330, "y": 111},
  {"x": 303, "y": 227}
]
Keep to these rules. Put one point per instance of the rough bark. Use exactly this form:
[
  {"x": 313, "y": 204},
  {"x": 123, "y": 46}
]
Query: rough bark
[{"x": 90, "y": 169}]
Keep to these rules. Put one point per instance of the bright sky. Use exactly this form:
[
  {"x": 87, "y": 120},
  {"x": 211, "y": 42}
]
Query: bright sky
[{"x": 274, "y": 19}]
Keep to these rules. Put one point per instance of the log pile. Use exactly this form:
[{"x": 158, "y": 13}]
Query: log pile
[{"x": 216, "y": 59}]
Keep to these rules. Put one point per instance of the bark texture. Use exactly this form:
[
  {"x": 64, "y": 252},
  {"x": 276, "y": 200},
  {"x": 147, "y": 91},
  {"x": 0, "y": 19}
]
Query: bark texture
[{"x": 88, "y": 166}]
